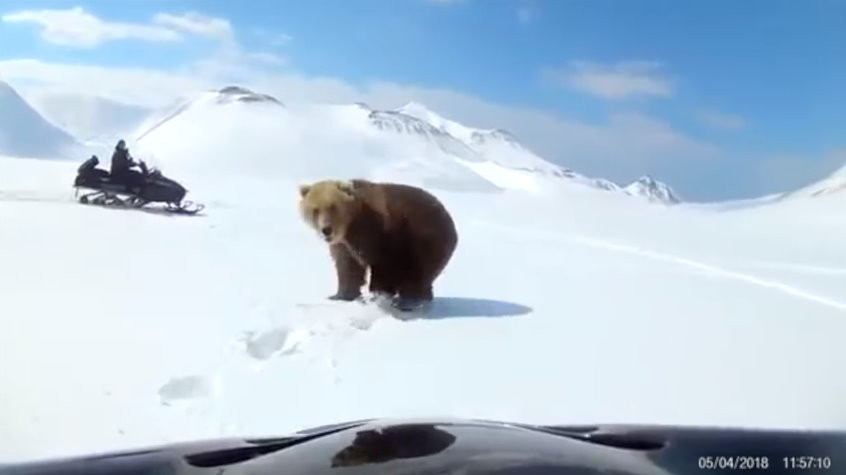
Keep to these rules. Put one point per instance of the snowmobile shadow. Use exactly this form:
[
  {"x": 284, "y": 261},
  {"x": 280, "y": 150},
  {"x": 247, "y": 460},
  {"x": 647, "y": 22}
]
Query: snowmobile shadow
[{"x": 461, "y": 307}]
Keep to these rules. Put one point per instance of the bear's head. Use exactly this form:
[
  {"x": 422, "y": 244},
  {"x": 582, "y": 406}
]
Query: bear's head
[{"x": 329, "y": 206}]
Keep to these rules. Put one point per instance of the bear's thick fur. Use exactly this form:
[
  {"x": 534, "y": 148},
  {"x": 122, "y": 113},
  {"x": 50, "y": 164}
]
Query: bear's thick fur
[{"x": 402, "y": 234}]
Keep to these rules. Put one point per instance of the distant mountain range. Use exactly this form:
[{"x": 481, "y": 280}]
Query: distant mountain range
[{"x": 405, "y": 142}]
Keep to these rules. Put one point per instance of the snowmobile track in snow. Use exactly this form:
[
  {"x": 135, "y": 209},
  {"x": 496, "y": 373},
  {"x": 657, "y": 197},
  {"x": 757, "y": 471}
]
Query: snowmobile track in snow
[
  {"x": 799, "y": 268},
  {"x": 684, "y": 261},
  {"x": 23, "y": 197}
]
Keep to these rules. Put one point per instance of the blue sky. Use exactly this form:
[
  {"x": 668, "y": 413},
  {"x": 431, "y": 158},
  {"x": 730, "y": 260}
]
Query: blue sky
[{"x": 720, "y": 98}]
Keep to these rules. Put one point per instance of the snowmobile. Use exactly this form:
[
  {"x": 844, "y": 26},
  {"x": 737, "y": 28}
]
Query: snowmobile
[{"x": 157, "y": 188}]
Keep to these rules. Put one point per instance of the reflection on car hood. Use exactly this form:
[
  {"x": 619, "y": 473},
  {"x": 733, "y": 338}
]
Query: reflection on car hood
[{"x": 446, "y": 446}]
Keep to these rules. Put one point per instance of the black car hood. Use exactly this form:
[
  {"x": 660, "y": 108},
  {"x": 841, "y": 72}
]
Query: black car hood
[{"x": 468, "y": 447}]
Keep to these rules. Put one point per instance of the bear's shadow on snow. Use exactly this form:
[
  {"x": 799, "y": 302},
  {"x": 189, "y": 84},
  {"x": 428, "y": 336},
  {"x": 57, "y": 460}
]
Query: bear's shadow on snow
[{"x": 462, "y": 307}]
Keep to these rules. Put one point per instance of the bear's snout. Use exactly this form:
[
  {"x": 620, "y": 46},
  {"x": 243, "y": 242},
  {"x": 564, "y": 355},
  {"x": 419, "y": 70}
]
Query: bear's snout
[{"x": 327, "y": 232}]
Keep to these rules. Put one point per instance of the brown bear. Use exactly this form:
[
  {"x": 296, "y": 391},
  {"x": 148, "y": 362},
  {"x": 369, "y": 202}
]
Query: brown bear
[{"x": 402, "y": 234}]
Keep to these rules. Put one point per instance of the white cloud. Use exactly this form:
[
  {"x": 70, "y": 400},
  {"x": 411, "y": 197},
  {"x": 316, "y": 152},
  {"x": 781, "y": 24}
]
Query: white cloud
[
  {"x": 76, "y": 27},
  {"x": 139, "y": 86},
  {"x": 722, "y": 120},
  {"x": 79, "y": 28},
  {"x": 615, "y": 81},
  {"x": 196, "y": 24}
]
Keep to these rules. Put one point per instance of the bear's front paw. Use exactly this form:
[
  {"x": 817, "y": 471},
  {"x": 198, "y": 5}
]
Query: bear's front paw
[
  {"x": 378, "y": 296},
  {"x": 345, "y": 296}
]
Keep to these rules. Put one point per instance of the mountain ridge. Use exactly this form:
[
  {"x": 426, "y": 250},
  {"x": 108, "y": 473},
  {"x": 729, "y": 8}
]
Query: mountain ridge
[
  {"x": 496, "y": 154},
  {"x": 646, "y": 187}
]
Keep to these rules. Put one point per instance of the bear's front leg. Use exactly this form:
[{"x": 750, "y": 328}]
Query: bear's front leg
[{"x": 349, "y": 271}]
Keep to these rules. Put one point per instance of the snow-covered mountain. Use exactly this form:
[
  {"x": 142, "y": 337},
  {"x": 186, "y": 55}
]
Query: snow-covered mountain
[
  {"x": 398, "y": 122},
  {"x": 652, "y": 190},
  {"x": 270, "y": 139},
  {"x": 496, "y": 146},
  {"x": 504, "y": 160},
  {"x": 25, "y": 133},
  {"x": 411, "y": 143},
  {"x": 225, "y": 95},
  {"x": 88, "y": 117}
]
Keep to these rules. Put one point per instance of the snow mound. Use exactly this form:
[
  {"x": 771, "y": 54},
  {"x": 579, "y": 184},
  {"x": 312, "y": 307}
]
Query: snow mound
[
  {"x": 25, "y": 133},
  {"x": 652, "y": 190},
  {"x": 832, "y": 185},
  {"x": 604, "y": 184}
]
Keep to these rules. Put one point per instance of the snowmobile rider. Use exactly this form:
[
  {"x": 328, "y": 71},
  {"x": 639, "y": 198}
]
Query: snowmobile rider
[{"x": 122, "y": 171}]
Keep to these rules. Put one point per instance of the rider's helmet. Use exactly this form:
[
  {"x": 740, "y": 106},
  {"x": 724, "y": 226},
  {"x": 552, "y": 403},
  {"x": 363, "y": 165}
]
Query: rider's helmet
[{"x": 121, "y": 145}]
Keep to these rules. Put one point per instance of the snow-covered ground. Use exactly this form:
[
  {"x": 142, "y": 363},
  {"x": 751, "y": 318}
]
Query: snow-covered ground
[{"x": 571, "y": 305}]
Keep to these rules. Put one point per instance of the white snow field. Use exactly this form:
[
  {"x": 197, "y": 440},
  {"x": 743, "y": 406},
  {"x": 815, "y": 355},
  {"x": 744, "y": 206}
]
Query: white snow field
[{"x": 564, "y": 303}]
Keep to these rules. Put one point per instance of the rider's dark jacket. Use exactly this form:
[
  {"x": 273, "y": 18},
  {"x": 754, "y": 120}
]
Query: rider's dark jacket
[{"x": 121, "y": 163}]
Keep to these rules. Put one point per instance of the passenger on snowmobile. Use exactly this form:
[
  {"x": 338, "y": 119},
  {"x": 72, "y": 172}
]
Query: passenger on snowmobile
[{"x": 122, "y": 172}]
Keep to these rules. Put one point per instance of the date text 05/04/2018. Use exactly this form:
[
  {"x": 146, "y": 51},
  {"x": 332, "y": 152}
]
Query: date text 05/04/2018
[
  {"x": 733, "y": 462},
  {"x": 739, "y": 462}
]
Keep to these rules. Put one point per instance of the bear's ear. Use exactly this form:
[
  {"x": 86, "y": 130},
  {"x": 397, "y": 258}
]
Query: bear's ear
[
  {"x": 304, "y": 190},
  {"x": 347, "y": 187}
]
